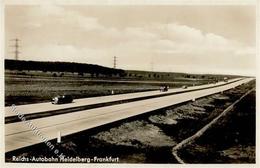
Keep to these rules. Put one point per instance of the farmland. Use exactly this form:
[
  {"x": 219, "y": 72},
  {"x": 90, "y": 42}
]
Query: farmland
[{"x": 35, "y": 87}]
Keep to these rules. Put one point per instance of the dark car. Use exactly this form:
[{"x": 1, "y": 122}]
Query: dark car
[
  {"x": 62, "y": 99},
  {"x": 164, "y": 88}
]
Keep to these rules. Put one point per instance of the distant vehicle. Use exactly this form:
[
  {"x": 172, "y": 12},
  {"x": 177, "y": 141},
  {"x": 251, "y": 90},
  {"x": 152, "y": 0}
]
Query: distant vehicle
[
  {"x": 184, "y": 87},
  {"x": 164, "y": 88},
  {"x": 225, "y": 79},
  {"x": 62, "y": 99}
]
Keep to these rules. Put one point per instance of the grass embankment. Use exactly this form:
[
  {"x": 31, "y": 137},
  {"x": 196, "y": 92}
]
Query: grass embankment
[{"x": 231, "y": 140}]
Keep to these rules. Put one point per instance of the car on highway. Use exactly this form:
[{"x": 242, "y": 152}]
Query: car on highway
[
  {"x": 184, "y": 87},
  {"x": 62, "y": 99},
  {"x": 225, "y": 79},
  {"x": 164, "y": 88}
]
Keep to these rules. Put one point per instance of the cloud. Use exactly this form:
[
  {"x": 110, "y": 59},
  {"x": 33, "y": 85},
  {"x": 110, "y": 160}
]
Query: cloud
[
  {"x": 246, "y": 51},
  {"x": 59, "y": 15},
  {"x": 68, "y": 53},
  {"x": 184, "y": 34},
  {"x": 72, "y": 18},
  {"x": 138, "y": 33},
  {"x": 49, "y": 10}
]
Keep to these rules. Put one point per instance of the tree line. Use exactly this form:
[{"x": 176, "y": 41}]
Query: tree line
[{"x": 72, "y": 67}]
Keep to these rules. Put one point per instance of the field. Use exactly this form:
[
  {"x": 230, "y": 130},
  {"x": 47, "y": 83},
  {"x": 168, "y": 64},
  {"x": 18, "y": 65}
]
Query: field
[{"x": 35, "y": 87}]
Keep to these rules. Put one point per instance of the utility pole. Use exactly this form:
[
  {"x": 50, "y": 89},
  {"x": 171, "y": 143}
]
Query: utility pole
[
  {"x": 115, "y": 61},
  {"x": 16, "y": 48}
]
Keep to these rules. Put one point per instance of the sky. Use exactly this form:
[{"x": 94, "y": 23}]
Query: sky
[{"x": 171, "y": 38}]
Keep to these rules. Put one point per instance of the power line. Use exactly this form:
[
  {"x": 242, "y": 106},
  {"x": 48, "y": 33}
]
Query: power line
[
  {"x": 16, "y": 48},
  {"x": 115, "y": 62}
]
